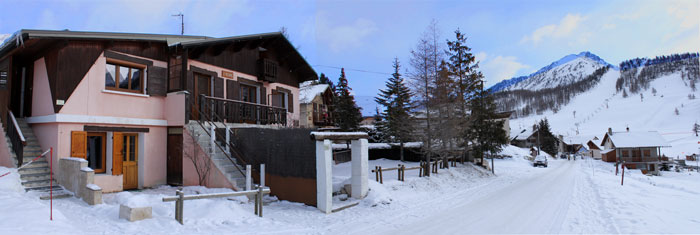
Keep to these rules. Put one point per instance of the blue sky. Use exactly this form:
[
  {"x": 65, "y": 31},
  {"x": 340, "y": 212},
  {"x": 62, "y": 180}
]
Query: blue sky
[{"x": 510, "y": 38}]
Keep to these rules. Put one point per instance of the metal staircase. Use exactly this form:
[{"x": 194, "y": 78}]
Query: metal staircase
[{"x": 35, "y": 176}]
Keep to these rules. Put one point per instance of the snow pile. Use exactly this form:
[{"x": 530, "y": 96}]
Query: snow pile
[
  {"x": 515, "y": 152},
  {"x": 10, "y": 182}
]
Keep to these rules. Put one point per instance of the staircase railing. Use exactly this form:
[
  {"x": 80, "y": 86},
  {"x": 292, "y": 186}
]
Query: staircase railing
[
  {"x": 206, "y": 117},
  {"x": 14, "y": 133}
]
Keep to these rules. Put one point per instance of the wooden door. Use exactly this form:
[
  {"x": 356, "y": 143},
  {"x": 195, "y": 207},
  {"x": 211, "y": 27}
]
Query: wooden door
[
  {"x": 175, "y": 156},
  {"x": 202, "y": 86},
  {"x": 130, "y": 161}
]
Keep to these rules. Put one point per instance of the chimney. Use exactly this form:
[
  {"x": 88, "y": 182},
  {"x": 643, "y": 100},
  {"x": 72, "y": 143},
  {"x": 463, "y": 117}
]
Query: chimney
[{"x": 609, "y": 131}]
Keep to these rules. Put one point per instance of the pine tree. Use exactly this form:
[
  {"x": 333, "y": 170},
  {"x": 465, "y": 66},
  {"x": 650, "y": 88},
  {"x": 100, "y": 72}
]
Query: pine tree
[
  {"x": 323, "y": 79},
  {"x": 462, "y": 66},
  {"x": 395, "y": 100},
  {"x": 346, "y": 112},
  {"x": 484, "y": 131},
  {"x": 696, "y": 128},
  {"x": 548, "y": 142}
]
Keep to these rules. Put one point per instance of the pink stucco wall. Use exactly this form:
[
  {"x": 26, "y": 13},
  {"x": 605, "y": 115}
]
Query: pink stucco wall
[
  {"x": 90, "y": 99},
  {"x": 268, "y": 86},
  {"x": 42, "y": 103},
  {"x": 215, "y": 179}
]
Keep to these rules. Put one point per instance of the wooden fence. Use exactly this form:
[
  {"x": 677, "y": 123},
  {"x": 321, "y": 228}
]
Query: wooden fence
[
  {"x": 442, "y": 163},
  {"x": 180, "y": 200}
]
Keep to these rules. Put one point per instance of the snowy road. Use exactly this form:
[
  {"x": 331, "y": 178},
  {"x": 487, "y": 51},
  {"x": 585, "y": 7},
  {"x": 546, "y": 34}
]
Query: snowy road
[{"x": 546, "y": 202}]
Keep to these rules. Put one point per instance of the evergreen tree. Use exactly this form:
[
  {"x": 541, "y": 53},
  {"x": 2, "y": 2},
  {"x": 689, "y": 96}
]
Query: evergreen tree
[
  {"x": 393, "y": 121},
  {"x": 548, "y": 142},
  {"x": 484, "y": 131},
  {"x": 323, "y": 79},
  {"x": 462, "y": 66},
  {"x": 345, "y": 111},
  {"x": 696, "y": 128}
]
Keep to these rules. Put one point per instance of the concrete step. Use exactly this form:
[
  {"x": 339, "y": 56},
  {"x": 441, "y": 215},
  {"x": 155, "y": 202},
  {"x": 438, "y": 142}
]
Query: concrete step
[
  {"x": 35, "y": 164},
  {"x": 44, "y": 188},
  {"x": 34, "y": 177},
  {"x": 38, "y": 183},
  {"x": 33, "y": 170},
  {"x": 56, "y": 195}
]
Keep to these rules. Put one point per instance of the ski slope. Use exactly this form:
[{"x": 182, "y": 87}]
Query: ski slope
[{"x": 602, "y": 107}]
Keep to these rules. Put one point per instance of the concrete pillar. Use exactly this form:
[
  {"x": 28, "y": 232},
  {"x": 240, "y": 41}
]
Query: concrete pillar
[
  {"x": 228, "y": 139},
  {"x": 248, "y": 178},
  {"x": 359, "y": 168},
  {"x": 212, "y": 138},
  {"x": 324, "y": 174}
]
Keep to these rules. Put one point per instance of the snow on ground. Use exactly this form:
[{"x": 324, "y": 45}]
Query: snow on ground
[
  {"x": 602, "y": 107},
  {"x": 583, "y": 196}
]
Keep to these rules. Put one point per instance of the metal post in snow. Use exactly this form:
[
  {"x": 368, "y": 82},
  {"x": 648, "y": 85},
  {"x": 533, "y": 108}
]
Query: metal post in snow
[
  {"x": 179, "y": 206},
  {"x": 622, "y": 181}
]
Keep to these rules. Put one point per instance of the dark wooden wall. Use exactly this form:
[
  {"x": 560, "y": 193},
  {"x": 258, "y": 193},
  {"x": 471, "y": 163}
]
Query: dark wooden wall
[
  {"x": 245, "y": 56},
  {"x": 67, "y": 64}
]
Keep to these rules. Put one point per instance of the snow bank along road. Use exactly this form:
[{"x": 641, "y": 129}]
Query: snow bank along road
[{"x": 581, "y": 196}]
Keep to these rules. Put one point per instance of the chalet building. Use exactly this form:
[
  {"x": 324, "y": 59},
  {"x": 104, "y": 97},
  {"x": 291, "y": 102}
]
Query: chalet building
[
  {"x": 315, "y": 103},
  {"x": 594, "y": 149},
  {"x": 525, "y": 138},
  {"x": 124, "y": 103},
  {"x": 636, "y": 150}
]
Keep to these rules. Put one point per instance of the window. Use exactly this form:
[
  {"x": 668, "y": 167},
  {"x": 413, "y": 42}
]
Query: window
[
  {"x": 647, "y": 153},
  {"x": 129, "y": 146},
  {"x": 95, "y": 152},
  {"x": 126, "y": 77},
  {"x": 3, "y": 79},
  {"x": 279, "y": 99},
  {"x": 249, "y": 93}
]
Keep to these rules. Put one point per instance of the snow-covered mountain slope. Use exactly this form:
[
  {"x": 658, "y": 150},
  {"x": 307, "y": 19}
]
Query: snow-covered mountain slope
[
  {"x": 567, "y": 70},
  {"x": 603, "y": 107}
]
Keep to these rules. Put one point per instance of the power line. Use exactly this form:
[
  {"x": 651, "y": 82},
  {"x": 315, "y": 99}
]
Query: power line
[{"x": 351, "y": 69}]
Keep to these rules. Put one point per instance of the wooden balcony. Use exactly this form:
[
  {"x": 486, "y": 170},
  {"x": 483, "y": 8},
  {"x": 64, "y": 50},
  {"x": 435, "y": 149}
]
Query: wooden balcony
[{"x": 236, "y": 111}]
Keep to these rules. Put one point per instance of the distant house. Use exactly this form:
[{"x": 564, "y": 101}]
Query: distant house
[
  {"x": 525, "y": 138},
  {"x": 636, "y": 150},
  {"x": 575, "y": 144},
  {"x": 594, "y": 149},
  {"x": 315, "y": 101},
  {"x": 367, "y": 120}
]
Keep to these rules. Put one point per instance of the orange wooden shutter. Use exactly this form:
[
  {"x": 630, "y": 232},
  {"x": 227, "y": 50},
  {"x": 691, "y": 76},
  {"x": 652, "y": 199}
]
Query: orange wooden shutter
[
  {"x": 117, "y": 153},
  {"x": 78, "y": 143}
]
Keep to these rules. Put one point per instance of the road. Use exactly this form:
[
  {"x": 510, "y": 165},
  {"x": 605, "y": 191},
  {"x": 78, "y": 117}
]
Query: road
[{"x": 539, "y": 204}]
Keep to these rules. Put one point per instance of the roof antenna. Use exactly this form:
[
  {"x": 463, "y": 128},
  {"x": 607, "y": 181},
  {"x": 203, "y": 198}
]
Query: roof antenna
[{"x": 182, "y": 22}]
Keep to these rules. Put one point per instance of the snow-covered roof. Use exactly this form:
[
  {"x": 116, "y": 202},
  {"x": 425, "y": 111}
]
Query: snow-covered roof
[
  {"x": 578, "y": 139},
  {"x": 637, "y": 139},
  {"x": 308, "y": 90},
  {"x": 522, "y": 134}
]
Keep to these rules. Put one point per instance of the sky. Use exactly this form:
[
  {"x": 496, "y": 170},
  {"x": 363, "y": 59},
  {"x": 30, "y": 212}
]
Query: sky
[{"x": 509, "y": 38}]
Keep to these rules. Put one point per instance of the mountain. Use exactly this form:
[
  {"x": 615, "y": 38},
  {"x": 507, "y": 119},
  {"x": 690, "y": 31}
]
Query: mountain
[
  {"x": 567, "y": 70},
  {"x": 664, "y": 101}
]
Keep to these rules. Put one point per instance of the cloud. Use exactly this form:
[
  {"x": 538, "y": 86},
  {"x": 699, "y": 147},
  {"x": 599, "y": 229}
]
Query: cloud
[
  {"x": 338, "y": 36},
  {"x": 498, "y": 68},
  {"x": 564, "y": 28}
]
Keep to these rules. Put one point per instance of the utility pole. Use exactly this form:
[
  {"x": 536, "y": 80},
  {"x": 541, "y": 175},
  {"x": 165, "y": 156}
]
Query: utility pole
[{"x": 182, "y": 22}]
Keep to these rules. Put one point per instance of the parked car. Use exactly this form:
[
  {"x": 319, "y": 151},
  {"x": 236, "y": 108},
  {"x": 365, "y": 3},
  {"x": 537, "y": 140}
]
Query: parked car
[{"x": 540, "y": 160}]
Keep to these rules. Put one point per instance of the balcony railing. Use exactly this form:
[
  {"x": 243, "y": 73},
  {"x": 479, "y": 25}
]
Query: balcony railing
[{"x": 235, "y": 111}]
